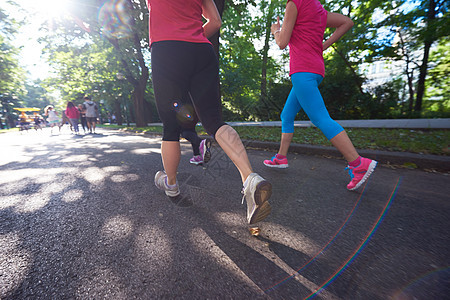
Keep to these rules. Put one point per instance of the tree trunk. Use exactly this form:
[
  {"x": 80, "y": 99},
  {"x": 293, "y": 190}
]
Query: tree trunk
[
  {"x": 139, "y": 109},
  {"x": 429, "y": 38},
  {"x": 139, "y": 86},
  {"x": 263, "y": 96},
  {"x": 356, "y": 77},
  {"x": 118, "y": 112},
  {"x": 409, "y": 73},
  {"x": 410, "y": 76}
]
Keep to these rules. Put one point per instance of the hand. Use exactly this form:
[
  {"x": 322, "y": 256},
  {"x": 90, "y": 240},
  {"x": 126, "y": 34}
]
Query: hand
[{"x": 275, "y": 27}]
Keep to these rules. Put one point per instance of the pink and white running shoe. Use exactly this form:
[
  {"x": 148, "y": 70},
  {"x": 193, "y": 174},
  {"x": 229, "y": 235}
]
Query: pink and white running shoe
[
  {"x": 277, "y": 162},
  {"x": 360, "y": 173}
]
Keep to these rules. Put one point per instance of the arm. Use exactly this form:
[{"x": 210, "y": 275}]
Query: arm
[
  {"x": 283, "y": 35},
  {"x": 342, "y": 25},
  {"x": 213, "y": 21}
]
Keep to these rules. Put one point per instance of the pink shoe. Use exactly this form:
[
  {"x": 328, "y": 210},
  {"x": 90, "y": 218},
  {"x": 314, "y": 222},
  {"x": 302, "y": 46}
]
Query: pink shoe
[
  {"x": 360, "y": 173},
  {"x": 196, "y": 160},
  {"x": 276, "y": 162}
]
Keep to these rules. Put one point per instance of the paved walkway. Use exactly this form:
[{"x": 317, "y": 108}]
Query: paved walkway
[
  {"x": 386, "y": 123},
  {"x": 421, "y": 161},
  {"x": 80, "y": 218}
]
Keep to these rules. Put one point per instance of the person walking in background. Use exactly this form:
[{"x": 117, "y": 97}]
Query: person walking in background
[
  {"x": 200, "y": 147},
  {"x": 37, "y": 121},
  {"x": 303, "y": 28},
  {"x": 73, "y": 114},
  {"x": 82, "y": 110},
  {"x": 184, "y": 61},
  {"x": 53, "y": 118},
  {"x": 188, "y": 119},
  {"x": 91, "y": 113}
]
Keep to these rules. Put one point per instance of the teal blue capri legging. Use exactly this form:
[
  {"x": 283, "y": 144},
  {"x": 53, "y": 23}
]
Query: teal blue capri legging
[{"x": 305, "y": 95}]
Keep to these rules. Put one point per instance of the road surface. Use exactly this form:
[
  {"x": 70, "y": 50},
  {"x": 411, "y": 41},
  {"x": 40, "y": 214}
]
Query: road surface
[{"x": 80, "y": 217}]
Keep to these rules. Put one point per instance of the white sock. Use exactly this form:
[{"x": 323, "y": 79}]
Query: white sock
[
  {"x": 170, "y": 186},
  {"x": 246, "y": 181}
]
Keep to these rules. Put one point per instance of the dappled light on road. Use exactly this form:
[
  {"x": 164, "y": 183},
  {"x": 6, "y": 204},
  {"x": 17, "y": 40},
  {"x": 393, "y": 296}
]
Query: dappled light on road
[
  {"x": 75, "y": 158},
  {"x": 147, "y": 151},
  {"x": 100, "y": 283},
  {"x": 229, "y": 218},
  {"x": 154, "y": 249},
  {"x": 292, "y": 239},
  {"x": 117, "y": 228},
  {"x": 72, "y": 195},
  {"x": 15, "y": 262},
  {"x": 124, "y": 177},
  {"x": 212, "y": 253},
  {"x": 84, "y": 220},
  {"x": 94, "y": 175}
]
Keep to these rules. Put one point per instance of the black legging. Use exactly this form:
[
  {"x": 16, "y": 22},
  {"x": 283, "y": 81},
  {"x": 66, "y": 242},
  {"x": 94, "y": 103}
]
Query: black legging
[
  {"x": 189, "y": 120},
  {"x": 179, "y": 68},
  {"x": 83, "y": 123}
]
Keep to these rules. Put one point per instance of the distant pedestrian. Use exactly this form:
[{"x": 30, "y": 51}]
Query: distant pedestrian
[
  {"x": 82, "y": 110},
  {"x": 188, "y": 119},
  {"x": 303, "y": 29},
  {"x": 37, "y": 121},
  {"x": 91, "y": 113},
  {"x": 184, "y": 61},
  {"x": 24, "y": 122},
  {"x": 53, "y": 118},
  {"x": 73, "y": 114},
  {"x": 200, "y": 147}
]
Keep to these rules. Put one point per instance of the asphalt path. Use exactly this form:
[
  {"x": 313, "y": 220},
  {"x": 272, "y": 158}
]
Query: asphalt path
[{"x": 80, "y": 218}]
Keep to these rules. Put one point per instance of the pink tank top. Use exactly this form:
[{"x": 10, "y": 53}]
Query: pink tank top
[
  {"x": 176, "y": 20},
  {"x": 305, "y": 45}
]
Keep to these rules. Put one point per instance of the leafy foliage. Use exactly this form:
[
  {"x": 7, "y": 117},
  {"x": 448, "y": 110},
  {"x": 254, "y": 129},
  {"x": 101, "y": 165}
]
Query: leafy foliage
[
  {"x": 101, "y": 48},
  {"x": 11, "y": 74}
]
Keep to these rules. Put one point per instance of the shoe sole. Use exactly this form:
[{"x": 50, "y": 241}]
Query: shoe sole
[
  {"x": 262, "y": 194},
  {"x": 369, "y": 172},
  {"x": 195, "y": 163},
  {"x": 207, "y": 151},
  {"x": 276, "y": 166}
]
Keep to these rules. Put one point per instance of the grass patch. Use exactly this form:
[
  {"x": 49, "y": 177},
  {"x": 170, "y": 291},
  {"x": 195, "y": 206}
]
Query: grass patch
[
  {"x": 9, "y": 130},
  {"x": 430, "y": 141}
]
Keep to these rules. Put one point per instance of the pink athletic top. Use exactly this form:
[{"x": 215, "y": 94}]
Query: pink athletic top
[
  {"x": 305, "y": 45},
  {"x": 176, "y": 20},
  {"x": 72, "y": 113}
]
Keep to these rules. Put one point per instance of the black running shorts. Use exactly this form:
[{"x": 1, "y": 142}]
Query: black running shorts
[{"x": 180, "y": 69}]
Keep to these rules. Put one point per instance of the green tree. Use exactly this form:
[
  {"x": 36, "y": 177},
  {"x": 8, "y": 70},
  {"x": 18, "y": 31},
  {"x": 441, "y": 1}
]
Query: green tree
[
  {"x": 246, "y": 67},
  {"x": 36, "y": 95},
  {"x": 438, "y": 83},
  {"x": 418, "y": 30},
  {"x": 122, "y": 24},
  {"x": 239, "y": 64},
  {"x": 11, "y": 74}
]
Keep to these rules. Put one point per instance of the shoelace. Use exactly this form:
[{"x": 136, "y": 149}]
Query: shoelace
[
  {"x": 243, "y": 197},
  {"x": 350, "y": 172}
]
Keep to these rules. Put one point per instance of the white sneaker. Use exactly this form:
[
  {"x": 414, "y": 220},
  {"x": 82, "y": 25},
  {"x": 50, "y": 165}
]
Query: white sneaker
[
  {"x": 257, "y": 192},
  {"x": 205, "y": 150},
  {"x": 161, "y": 183}
]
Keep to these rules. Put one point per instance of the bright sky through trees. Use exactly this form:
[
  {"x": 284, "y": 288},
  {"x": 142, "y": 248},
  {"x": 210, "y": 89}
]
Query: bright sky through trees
[{"x": 35, "y": 13}]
